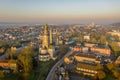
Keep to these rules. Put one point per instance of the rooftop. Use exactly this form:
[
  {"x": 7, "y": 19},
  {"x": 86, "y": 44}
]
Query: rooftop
[
  {"x": 87, "y": 66},
  {"x": 86, "y": 55},
  {"x": 102, "y": 46}
]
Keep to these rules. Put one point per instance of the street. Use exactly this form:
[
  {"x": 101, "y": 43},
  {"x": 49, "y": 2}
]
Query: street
[{"x": 52, "y": 71}]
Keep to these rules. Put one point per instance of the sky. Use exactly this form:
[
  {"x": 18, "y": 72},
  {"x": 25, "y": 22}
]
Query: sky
[{"x": 60, "y": 11}]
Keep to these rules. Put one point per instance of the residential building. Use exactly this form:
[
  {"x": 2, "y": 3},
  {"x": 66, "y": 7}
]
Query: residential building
[
  {"x": 87, "y": 58},
  {"x": 101, "y": 49},
  {"x": 86, "y": 69}
]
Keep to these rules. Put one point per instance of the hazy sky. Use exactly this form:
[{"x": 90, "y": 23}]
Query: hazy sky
[{"x": 60, "y": 11}]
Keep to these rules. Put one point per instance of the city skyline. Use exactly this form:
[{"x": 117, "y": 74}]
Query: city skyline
[{"x": 58, "y": 12}]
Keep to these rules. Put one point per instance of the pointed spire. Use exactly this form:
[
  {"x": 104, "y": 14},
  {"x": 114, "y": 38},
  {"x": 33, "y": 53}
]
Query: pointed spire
[
  {"x": 46, "y": 29},
  {"x": 45, "y": 42},
  {"x": 51, "y": 37},
  {"x": 57, "y": 38}
]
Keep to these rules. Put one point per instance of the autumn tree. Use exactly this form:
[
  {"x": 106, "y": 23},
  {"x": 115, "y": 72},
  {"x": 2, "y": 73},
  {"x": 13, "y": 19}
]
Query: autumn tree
[
  {"x": 115, "y": 48},
  {"x": 11, "y": 53},
  {"x": 99, "y": 67},
  {"x": 116, "y": 73},
  {"x": 2, "y": 49},
  {"x": 80, "y": 38},
  {"x": 25, "y": 59},
  {"x": 116, "y": 37},
  {"x": 93, "y": 40},
  {"x": 13, "y": 64},
  {"x": 102, "y": 39},
  {"x": 110, "y": 66},
  {"x": 101, "y": 75},
  {"x": 95, "y": 35}
]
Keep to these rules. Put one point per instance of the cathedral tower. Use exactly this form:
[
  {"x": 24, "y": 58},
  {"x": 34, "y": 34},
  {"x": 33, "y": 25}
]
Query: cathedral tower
[
  {"x": 51, "y": 37},
  {"x": 45, "y": 42},
  {"x": 47, "y": 50}
]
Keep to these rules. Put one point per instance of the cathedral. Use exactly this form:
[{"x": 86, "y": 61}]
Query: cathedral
[{"x": 47, "y": 50}]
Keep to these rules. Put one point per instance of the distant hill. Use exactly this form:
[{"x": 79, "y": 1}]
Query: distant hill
[
  {"x": 116, "y": 24},
  {"x": 13, "y": 24},
  {"x": 6, "y": 23}
]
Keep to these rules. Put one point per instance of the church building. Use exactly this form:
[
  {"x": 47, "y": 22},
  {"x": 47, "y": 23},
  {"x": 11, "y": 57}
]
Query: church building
[{"x": 47, "y": 50}]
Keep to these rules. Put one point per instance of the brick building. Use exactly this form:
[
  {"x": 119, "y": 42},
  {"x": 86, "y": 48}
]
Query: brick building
[{"x": 101, "y": 49}]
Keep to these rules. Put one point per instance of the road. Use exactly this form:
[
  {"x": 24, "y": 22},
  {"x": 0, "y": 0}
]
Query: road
[{"x": 60, "y": 62}]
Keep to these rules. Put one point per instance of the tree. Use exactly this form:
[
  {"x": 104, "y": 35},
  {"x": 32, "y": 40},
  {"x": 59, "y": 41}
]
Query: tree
[
  {"x": 63, "y": 49},
  {"x": 1, "y": 74},
  {"x": 11, "y": 53},
  {"x": 95, "y": 35},
  {"x": 114, "y": 70},
  {"x": 80, "y": 38},
  {"x": 110, "y": 66},
  {"x": 13, "y": 64},
  {"x": 101, "y": 75},
  {"x": 26, "y": 62},
  {"x": 116, "y": 73},
  {"x": 5, "y": 44},
  {"x": 99, "y": 67},
  {"x": 102, "y": 39},
  {"x": 2, "y": 50},
  {"x": 116, "y": 37},
  {"x": 25, "y": 59},
  {"x": 115, "y": 48},
  {"x": 93, "y": 40}
]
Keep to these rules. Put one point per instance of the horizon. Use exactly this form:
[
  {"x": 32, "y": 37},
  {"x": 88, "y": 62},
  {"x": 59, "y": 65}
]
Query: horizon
[
  {"x": 60, "y": 12},
  {"x": 60, "y": 23}
]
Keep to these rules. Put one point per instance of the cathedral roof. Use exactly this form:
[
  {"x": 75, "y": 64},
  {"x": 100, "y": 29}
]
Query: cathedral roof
[
  {"x": 51, "y": 46},
  {"x": 45, "y": 54}
]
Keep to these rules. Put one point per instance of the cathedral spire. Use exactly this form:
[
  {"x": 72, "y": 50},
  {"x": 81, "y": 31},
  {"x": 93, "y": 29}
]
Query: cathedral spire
[
  {"x": 46, "y": 29},
  {"x": 45, "y": 37},
  {"x": 51, "y": 37}
]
